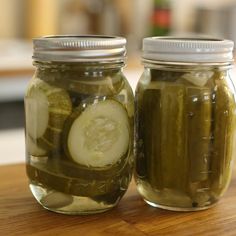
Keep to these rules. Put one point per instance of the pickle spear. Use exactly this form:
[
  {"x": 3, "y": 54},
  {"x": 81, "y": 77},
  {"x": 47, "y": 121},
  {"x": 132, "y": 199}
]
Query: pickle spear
[
  {"x": 46, "y": 108},
  {"x": 140, "y": 159},
  {"x": 173, "y": 157},
  {"x": 224, "y": 136},
  {"x": 152, "y": 136},
  {"x": 199, "y": 132}
]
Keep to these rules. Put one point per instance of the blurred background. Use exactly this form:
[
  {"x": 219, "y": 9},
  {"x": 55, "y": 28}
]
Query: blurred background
[{"x": 20, "y": 21}]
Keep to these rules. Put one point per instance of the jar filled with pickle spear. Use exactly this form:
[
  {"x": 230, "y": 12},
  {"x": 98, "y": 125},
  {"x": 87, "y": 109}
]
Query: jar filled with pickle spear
[
  {"x": 79, "y": 124},
  {"x": 185, "y": 122}
]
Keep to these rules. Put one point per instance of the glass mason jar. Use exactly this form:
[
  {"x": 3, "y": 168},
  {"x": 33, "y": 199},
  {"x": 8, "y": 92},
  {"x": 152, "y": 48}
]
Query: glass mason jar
[
  {"x": 185, "y": 122},
  {"x": 79, "y": 124}
]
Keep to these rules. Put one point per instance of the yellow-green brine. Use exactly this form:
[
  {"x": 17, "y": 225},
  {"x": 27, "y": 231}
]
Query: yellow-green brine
[
  {"x": 79, "y": 124},
  {"x": 185, "y": 122}
]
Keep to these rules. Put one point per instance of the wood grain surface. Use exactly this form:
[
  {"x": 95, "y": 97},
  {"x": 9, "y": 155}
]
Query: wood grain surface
[
  {"x": 16, "y": 73},
  {"x": 20, "y": 214}
]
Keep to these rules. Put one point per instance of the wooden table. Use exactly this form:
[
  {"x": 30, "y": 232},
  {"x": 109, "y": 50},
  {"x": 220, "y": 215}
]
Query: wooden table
[{"x": 21, "y": 215}]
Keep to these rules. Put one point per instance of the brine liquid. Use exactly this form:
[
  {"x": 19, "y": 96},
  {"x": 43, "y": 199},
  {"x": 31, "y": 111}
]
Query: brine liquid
[
  {"x": 185, "y": 135},
  {"x": 59, "y": 180},
  {"x": 62, "y": 187}
]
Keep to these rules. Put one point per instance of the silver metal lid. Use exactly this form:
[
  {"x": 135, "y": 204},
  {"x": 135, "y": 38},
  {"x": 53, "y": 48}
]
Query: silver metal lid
[
  {"x": 199, "y": 50},
  {"x": 73, "y": 48}
]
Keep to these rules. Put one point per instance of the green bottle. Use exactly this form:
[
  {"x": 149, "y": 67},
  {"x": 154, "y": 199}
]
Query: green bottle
[{"x": 161, "y": 18}]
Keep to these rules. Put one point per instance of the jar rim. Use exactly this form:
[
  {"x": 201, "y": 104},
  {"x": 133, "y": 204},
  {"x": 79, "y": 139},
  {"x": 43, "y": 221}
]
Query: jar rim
[
  {"x": 79, "y": 48},
  {"x": 188, "y": 49}
]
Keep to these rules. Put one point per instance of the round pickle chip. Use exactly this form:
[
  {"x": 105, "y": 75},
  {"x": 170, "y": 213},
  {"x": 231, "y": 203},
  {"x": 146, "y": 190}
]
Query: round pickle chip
[
  {"x": 47, "y": 108},
  {"x": 99, "y": 135},
  {"x": 42, "y": 175},
  {"x": 106, "y": 86},
  {"x": 56, "y": 200},
  {"x": 75, "y": 81}
]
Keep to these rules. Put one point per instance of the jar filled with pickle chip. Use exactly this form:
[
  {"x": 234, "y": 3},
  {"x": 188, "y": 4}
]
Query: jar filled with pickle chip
[
  {"x": 79, "y": 124},
  {"x": 185, "y": 122}
]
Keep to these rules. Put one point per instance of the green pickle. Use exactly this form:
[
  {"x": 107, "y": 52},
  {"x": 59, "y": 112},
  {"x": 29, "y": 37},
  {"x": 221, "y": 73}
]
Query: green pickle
[
  {"x": 199, "y": 132},
  {"x": 199, "y": 122},
  {"x": 224, "y": 115},
  {"x": 92, "y": 185},
  {"x": 173, "y": 157},
  {"x": 73, "y": 79},
  {"x": 184, "y": 138},
  {"x": 152, "y": 122}
]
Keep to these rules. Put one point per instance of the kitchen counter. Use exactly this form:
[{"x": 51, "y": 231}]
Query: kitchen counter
[{"x": 20, "y": 214}]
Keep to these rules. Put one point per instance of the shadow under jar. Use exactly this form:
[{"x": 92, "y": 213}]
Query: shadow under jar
[
  {"x": 79, "y": 124},
  {"x": 185, "y": 122}
]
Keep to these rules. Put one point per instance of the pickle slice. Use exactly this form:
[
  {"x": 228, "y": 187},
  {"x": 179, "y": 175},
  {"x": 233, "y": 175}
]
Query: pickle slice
[
  {"x": 46, "y": 176},
  {"x": 47, "y": 108},
  {"x": 33, "y": 148},
  {"x": 99, "y": 135},
  {"x": 224, "y": 136},
  {"x": 56, "y": 199},
  {"x": 65, "y": 165},
  {"x": 106, "y": 86},
  {"x": 199, "y": 132},
  {"x": 76, "y": 81}
]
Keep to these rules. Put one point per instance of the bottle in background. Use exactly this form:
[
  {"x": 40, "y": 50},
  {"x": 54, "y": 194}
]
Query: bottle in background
[{"x": 161, "y": 18}]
